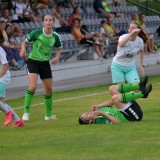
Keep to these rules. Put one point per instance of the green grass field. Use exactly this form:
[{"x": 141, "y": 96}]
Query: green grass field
[{"x": 65, "y": 139}]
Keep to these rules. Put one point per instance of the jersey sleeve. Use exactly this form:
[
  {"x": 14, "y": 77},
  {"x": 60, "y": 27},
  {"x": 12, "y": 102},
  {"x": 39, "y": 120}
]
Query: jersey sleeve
[
  {"x": 3, "y": 58},
  {"x": 58, "y": 42},
  {"x": 32, "y": 36},
  {"x": 121, "y": 37}
]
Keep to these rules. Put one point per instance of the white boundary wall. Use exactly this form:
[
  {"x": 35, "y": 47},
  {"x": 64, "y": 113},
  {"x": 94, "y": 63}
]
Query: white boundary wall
[{"x": 69, "y": 70}]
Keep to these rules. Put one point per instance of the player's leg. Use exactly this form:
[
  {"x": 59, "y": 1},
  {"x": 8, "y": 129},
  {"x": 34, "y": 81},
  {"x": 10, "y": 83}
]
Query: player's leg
[
  {"x": 131, "y": 96},
  {"x": 117, "y": 74},
  {"x": 32, "y": 78},
  {"x": 18, "y": 122},
  {"x": 8, "y": 113},
  {"x": 46, "y": 77},
  {"x": 123, "y": 88},
  {"x": 132, "y": 111}
]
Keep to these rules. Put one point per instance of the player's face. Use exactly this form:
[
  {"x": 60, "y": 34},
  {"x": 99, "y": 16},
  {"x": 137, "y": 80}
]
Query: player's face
[
  {"x": 89, "y": 116},
  {"x": 132, "y": 26},
  {"x": 48, "y": 22}
]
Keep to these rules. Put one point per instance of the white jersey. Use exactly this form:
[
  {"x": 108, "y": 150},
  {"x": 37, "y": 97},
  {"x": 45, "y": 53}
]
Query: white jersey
[
  {"x": 56, "y": 22},
  {"x": 126, "y": 55},
  {"x": 6, "y": 77}
]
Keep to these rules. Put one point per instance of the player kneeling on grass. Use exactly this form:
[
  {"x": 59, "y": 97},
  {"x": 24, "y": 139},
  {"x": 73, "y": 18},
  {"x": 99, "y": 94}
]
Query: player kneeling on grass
[
  {"x": 4, "y": 81},
  {"x": 126, "y": 108}
]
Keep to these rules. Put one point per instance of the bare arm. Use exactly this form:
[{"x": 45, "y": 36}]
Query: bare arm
[
  {"x": 23, "y": 50},
  {"x": 141, "y": 55},
  {"x": 124, "y": 40},
  {"x": 4, "y": 69},
  {"x": 58, "y": 54},
  {"x": 61, "y": 19},
  {"x": 110, "y": 118}
]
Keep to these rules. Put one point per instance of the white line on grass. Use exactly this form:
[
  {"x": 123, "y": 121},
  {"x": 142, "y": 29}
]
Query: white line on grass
[{"x": 66, "y": 99}]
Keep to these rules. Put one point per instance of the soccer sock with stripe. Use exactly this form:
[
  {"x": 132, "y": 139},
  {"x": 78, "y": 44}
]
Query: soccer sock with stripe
[
  {"x": 123, "y": 88},
  {"x": 48, "y": 104},
  {"x": 130, "y": 96},
  {"x": 28, "y": 100}
]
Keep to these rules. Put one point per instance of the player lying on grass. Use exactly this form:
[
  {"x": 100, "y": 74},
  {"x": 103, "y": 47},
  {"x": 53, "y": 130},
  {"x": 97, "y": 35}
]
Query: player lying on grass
[{"x": 126, "y": 108}]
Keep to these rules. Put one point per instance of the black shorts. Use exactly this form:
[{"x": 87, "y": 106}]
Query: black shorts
[
  {"x": 87, "y": 41},
  {"x": 41, "y": 68},
  {"x": 133, "y": 112}
]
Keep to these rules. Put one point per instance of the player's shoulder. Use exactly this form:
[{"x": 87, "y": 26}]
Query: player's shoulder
[{"x": 55, "y": 33}]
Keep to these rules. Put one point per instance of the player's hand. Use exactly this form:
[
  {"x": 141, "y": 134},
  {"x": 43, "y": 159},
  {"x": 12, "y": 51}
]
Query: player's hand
[
  {"x": 135, "y": 31},
  {"x": 94, "y": 108},
  {"x": 54, "y": 60},
  {"x": 22, "y": 53},
  {"x": 98, "y": 113}
]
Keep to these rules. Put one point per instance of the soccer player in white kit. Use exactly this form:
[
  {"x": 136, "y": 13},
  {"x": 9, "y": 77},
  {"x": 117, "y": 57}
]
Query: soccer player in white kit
[{"x": 4, "y": 81}]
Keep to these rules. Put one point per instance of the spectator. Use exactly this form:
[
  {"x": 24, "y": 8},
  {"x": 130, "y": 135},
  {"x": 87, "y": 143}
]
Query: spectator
[
  {"x": 134, "y": 18},
  {"x": 61, "y": 25},
  {"x": 112, "y": 31},
  {"x": 27, "y": 11},
  {"x": 41, "y": 4},
  {"x": 103, "y": 9},
  {"x": 103, "y": 33},
  {"x": 87, "y": 39},
  {"x": 149, "y": 46},
  {"x": 16, "y": 31},
  {"x": 18, "y": 9},
  {"x": 11, "y": 52},
  {"x": 76, "y": 14},
  {"x": 14, "y": 47}
]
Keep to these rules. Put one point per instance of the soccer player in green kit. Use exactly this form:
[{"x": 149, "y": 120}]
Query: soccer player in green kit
[
  {"x": 123, "y": 97},
  {"x": 38, "y": 64}
]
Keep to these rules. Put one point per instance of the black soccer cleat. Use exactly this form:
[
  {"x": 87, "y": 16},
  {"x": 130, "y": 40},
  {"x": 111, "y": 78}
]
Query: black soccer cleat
[
  {"x": 143, "y": 83},
  {"x": 147, "y": 90}
]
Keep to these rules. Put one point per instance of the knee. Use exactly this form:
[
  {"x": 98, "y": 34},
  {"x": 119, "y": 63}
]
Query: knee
[
  {"x": 48, "y": 90},
  {"x": 32, "y": 88},
  {"x": 112, "y": 89},
  {"x": 116, "y": 98}
]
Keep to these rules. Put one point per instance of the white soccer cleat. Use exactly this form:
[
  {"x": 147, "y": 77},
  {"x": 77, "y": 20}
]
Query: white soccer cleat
[
  {"x": 25, "y": 117},
  {"x": 52, "y": 117}
]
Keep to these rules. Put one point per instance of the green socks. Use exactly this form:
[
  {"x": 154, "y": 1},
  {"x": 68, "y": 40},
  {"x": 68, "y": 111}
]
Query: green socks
[
  {"x": 48, "y": 104},
  {"x": 28, "y": 100},
  {"x": 130, "y": 96},
  {"x": 123, "y": 88}
]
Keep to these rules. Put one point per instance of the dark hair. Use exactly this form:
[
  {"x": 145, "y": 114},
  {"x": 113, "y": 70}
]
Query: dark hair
[
  {"x": 59, "y": 5},
  {"x": 49, "y": 15},
  {"x": 142, "y": 34},
  {"x": 102, "y": 21},
  {"x": 75, "y": 8},
  {"x": 83, "y": 121},
  {"x": 1, "y": 38},
  {"x": 76, "y": 19}
]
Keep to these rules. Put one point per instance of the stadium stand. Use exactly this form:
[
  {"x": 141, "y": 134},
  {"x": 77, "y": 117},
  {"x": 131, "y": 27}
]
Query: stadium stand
[{"x": 91, "y": 20}]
